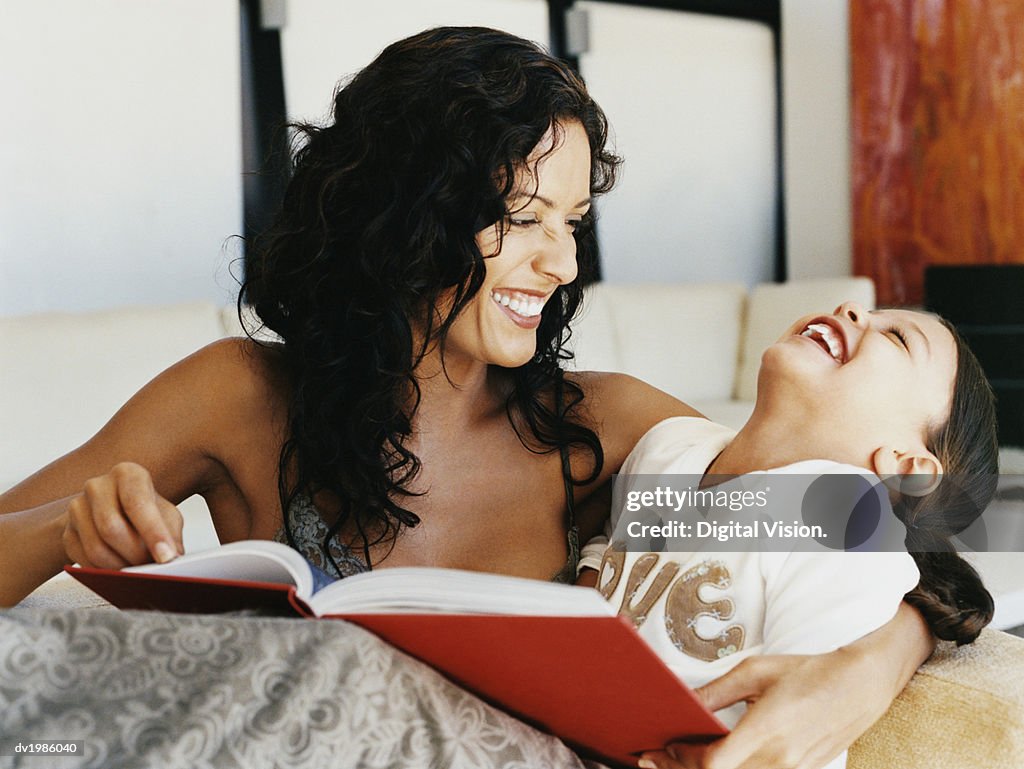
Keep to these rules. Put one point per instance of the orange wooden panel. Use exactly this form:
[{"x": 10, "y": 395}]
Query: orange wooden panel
[{"x": 938, "y": 137}]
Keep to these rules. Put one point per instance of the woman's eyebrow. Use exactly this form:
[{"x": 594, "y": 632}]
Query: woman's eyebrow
[{"x": 527, "y": 199}]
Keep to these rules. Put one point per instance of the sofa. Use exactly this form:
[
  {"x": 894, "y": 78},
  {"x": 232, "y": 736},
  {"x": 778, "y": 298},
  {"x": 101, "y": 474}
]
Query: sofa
[
  {"x": 65, "y": 374},
  {"x": 700, "y": 343}
]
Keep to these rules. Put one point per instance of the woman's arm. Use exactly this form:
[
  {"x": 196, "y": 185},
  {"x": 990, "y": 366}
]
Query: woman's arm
[
  {"x": 37, "y": 543},
  {"x": 116, "y": 521},
  {"x": 806, "y": 709},
  {"x": 621, "y": 408},
  {"x": 30, "y": 549},
  {"x": 109, "y": 502}
]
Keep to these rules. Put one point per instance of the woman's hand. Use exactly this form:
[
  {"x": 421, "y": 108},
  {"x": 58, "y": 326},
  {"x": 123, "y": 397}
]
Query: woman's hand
[
  {"x": 805, "y": 710},
  {"x": 119, "y": 520}
]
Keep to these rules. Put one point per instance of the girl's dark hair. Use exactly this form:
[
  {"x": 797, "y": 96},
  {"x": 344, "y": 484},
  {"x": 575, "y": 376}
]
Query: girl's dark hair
[
  {"x": 378, "y": 225},
  {"x": 950, "y": 594}
]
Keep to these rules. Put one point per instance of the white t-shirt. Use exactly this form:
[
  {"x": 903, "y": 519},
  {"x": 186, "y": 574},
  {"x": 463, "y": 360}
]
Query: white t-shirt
[{"x": 705, "y": 612}]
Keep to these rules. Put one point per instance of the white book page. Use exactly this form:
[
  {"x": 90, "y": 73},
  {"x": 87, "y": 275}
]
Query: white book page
[
  {"x": 453, "y": 591},
  {"x": 249, "y": 560}
]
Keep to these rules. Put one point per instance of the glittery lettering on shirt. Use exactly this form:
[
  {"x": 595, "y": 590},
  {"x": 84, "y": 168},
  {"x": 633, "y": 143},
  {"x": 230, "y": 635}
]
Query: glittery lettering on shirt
[
  {"x": 684, "y": 607},
  {"x": 634, "y": 608}
]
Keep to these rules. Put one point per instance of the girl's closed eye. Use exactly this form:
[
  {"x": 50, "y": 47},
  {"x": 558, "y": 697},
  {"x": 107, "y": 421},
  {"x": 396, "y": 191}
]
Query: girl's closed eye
[{"x": 898, "y": 334}]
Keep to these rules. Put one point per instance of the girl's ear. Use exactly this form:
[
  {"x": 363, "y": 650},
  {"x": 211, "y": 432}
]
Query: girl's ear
[{"x": 914, "y": 472}]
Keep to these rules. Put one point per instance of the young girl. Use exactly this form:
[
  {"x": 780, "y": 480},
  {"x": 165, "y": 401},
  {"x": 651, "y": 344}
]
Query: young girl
[{"x": 893, "y": 392}]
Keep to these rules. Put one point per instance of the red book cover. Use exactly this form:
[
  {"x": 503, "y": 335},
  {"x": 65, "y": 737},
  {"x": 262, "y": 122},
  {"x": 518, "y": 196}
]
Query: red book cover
[{"x": 590, "y": 680}]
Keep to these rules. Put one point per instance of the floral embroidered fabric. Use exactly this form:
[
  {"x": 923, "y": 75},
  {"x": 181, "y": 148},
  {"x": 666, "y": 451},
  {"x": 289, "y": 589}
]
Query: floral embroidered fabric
[{"x": 143, "y": 689}]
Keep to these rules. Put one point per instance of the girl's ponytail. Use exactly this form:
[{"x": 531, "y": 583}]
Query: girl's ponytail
[{"x": 950, "y": 597}]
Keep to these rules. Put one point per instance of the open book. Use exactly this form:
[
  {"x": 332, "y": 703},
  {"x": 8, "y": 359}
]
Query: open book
[{"x": 554, "y": 655}]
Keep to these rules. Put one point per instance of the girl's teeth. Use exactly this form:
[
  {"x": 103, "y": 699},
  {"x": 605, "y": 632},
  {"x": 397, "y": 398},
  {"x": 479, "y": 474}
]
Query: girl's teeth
[{"x": 826, "y": 335}]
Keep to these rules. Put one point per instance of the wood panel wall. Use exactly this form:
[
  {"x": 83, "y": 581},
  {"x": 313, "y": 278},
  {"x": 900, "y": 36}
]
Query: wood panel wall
[{"x": 938, "y": 138}]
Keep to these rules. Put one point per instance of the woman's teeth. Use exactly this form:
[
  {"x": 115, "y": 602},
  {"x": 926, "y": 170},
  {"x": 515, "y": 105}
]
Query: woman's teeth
[
  {"x": 819, "y": 332},
  {"x": 528, "y": 308}
]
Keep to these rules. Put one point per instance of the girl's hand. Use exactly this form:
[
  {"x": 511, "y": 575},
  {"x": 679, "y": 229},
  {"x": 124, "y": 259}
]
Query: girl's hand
[{"x": 119, "y": 520}]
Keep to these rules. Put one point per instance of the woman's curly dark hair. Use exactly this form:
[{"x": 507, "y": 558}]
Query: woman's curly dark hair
[{"x": 378, "y": 224}]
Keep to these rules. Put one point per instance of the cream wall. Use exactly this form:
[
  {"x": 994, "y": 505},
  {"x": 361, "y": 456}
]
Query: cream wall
[
  {"x": 679, "y": 227},
  {"x": 120, "y": 149},
  {"x": 325, "y": 41},
  {"x": 691, "y": 99},
  {"x": 816, "y": 136},
  {"x": 120, "y": 152}
]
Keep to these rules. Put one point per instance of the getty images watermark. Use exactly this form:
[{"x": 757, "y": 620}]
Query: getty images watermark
[{"x": 835, "y": 512}]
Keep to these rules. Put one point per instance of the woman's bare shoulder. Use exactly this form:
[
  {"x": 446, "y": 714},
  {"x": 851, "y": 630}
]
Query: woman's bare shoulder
[
  {"x": 244, "y": 371},
  {"x": 613, "y": 394},
  {"x": 240, "y": 388},
  {"x": 623, "y": 408},
  {"x": 229, "y": 376}
]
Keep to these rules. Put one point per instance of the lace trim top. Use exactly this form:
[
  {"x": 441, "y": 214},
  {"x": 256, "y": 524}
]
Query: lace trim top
[{"x": 309, "y": 531}]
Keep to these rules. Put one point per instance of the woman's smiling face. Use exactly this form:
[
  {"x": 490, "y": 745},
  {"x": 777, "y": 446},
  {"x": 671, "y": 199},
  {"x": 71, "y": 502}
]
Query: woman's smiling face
[{"x": 534, "y": 255}]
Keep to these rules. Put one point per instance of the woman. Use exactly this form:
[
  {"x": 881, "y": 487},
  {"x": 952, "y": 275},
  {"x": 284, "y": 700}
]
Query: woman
[{"x": 421, "y": 274}]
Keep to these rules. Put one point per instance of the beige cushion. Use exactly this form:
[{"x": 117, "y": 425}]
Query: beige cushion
[
  {"x": 233, "y": 326},
  {"x": 594, "y": 340},
  {"x": 66, "y": 374},
  {"x": 726, "y": 411},
  {"x": 774, "y": 306},
  {"x": 964, "y": 708},
  {"x": 683, "y": 339}
]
